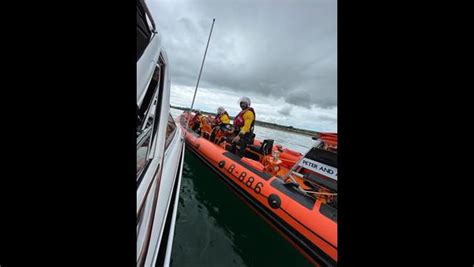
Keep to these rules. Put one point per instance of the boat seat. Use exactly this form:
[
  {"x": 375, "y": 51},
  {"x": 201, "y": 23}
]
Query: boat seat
[
  {"x": 328, "y": 183},
  {"x": 255, "y": 148},
  {"x": 264, "y": 149}
]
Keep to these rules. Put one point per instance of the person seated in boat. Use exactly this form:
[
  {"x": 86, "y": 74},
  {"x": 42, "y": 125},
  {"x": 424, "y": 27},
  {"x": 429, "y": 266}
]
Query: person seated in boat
[
  {"x": 220, "y": 122},
  {"x": 243, "y": 127},
  {"x": 195, "y": 122},
  {"x": 205, "y": 126}
]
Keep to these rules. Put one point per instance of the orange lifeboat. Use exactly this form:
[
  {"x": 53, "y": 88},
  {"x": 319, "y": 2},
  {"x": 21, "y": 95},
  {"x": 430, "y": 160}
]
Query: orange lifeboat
[{"x": 296, "y": 193}]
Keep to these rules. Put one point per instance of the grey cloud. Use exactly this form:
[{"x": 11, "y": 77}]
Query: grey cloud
[
  {"x": 272, "y": 48},
  {"x": 285, "y": 111},
  {"x": 326, "y": 118}
]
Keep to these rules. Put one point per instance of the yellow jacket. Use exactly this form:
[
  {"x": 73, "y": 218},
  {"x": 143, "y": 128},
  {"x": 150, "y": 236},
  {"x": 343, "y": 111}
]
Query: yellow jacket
[
  {"x": 248, "y": 119},
  {"x": 225, "y": 119}
]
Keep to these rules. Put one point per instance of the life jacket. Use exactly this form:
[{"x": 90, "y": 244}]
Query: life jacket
[
  {"x": 239, "y": 119},
  {"x": 204, "y": 120},
  {"x": 195, "y": 119},
  {"x": 206, "y": 124},
  {"x": 217, "y": 119}
]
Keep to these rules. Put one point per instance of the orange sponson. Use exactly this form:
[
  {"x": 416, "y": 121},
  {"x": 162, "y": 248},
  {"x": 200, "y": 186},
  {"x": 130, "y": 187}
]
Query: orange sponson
[{"x": 301, "y": 215}]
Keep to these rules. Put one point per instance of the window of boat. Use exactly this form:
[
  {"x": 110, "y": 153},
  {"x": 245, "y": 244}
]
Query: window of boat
[
  {"x": 143, "y": 30},
  {"x": 150, "y": 25},
  {"x": 143, "y": 144},
  {"x": 149, "y": 117},
  {"x": 144, "y": 110},
  {"x": 145, "y": 139},
  {"x": 170, "y": 130}
]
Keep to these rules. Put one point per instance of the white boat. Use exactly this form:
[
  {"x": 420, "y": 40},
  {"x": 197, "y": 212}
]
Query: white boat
[{"x": 160, "y": 147}]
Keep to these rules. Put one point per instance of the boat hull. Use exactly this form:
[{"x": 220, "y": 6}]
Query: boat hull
[{"x": 296, "y": 216}]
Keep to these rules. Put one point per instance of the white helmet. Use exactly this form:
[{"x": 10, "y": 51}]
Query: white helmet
[
  {"x": 220, "y": 110},
  {"x": 244, "y": 99}
]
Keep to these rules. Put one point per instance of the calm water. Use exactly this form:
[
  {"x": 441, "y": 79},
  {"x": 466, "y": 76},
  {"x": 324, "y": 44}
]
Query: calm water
[{"x": 214, "y": 227}]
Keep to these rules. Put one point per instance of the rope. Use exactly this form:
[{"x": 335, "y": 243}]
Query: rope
[
  {"x": 319, "y": 193},
  {"x": 308, "y": 192}
]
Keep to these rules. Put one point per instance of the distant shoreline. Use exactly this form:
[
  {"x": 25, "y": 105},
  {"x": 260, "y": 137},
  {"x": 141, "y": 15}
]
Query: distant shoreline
[{"x": 265, "y": 124}]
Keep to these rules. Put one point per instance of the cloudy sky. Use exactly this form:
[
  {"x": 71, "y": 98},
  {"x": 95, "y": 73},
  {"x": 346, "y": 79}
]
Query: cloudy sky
[{"x": 280, "y": 53}]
